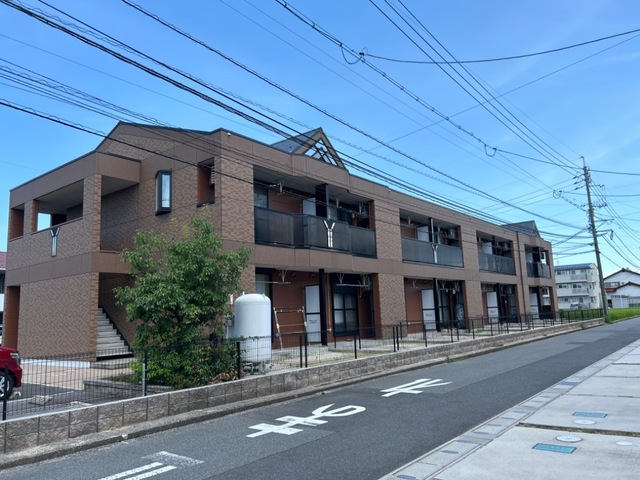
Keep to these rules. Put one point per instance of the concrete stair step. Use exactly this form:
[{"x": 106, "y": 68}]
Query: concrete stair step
[{"x": 108, "y": 339}]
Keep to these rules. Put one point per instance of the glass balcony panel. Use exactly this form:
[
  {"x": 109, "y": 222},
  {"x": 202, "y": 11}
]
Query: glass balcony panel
[
  {"x": 496, "y": 263},
  {"x": 273, "y": 227},
  {"x": 424, "y": 252},
  {"x": 363, "y": 241},
  {"x": 309, "y": 231}
]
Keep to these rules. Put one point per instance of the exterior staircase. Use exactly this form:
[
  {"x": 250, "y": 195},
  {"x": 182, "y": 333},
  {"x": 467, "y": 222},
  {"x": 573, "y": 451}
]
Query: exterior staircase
[{"x": 109, "y": 341}]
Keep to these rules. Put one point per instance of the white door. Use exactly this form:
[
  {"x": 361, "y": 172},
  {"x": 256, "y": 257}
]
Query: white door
[
  {"x": 533, "y": 299},
  {"x": 492, "y": 307},
  {"x": 312, "y": 312},
  {"x": 428, "y": 310}
]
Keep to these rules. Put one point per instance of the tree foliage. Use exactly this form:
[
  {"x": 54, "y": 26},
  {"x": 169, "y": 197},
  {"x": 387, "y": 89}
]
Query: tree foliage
[{"x": 181, "y": 287}]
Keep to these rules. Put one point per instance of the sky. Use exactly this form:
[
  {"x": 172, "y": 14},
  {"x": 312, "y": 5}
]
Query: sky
[{"x": 425, "y": 92}]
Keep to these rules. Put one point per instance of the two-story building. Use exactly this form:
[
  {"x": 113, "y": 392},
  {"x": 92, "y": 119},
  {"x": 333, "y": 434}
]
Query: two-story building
[
  {"x": 337, "y": 254},
  {"x": 578, "y": 286},
  {"x": 623, "y": 288}
]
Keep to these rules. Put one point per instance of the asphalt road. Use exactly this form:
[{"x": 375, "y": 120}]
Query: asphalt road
[{"x": 362, "y": 431}]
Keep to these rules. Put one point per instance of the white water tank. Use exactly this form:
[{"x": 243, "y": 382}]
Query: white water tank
[{"x": 252, "y": 325}]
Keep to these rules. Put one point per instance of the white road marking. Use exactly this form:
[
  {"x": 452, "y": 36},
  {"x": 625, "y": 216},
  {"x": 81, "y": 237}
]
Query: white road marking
[
  {"x": 173, "y": 459},
  {"x": 133, "y": 471},
  {"x": 311, "y": 421},
  {"x": 414, "y": 386},
  {"x": 153, "y": 473},
  {"x": 165, "y": 462}
]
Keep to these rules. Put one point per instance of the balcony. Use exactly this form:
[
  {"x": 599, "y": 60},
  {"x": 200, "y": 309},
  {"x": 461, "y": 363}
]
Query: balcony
[
  {"x": 308, "y": 231},
  {"x": 496, "y": 263},
  {"x": 538, "y": 270},
  {"x": 432, "y": 253}
]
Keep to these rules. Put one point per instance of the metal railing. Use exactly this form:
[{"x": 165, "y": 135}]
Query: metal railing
[
  {"x": 59, "y": 383},
  {"x": 308, "y": 231}
]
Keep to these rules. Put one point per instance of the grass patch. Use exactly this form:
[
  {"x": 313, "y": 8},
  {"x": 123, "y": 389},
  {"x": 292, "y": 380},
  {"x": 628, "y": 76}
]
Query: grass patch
[{"x": 618, "y": 314}]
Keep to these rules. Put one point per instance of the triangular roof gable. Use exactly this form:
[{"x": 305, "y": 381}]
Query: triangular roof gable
[
  {"x": 622, "y": 270},
  {"x": 528, "y": 228},
  {"x": 313, "y": 143}
]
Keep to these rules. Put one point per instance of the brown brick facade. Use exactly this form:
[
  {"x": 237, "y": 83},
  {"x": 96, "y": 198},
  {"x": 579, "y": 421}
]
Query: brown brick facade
[{"x": 109, "y": 194}]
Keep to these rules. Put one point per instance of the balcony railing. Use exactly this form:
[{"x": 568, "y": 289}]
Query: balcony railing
[
  {"x": 538, "y": 270},
  {"x": 495, "y": 263},
  {"x": 433, "y": 253},
  {"x": 308, "y": 231}
]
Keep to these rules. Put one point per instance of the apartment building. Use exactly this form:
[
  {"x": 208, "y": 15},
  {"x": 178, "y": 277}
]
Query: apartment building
[
  {"x": 578, "y": 286},
  {"x": 337, "y": 254}
]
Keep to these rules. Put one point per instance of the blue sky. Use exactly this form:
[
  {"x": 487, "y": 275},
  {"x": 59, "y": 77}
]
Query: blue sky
[{"x": 503, "y": 138}]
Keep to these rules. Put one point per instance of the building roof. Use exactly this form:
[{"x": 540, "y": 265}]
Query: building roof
[
  {"x": 623, "y": 270},
  {"x": 313, "y": 143},
  {"x": 3, "y": 260},
  {"x": 575, "y": 266},
  {"x": 528, "y": 228},
  {"x": 628, "y": 284}
]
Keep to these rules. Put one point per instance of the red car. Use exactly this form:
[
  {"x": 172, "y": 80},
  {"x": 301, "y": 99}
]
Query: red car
[{"x": 10, "y": 371}]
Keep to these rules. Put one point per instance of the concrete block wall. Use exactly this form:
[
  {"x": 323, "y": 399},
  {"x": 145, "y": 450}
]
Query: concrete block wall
[{"x": 24, "y": 433}]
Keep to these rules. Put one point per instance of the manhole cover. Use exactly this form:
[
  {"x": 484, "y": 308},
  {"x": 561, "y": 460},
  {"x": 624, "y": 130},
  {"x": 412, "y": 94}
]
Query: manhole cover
[
  {"x": 584, "y": 422},
  {"x": 569, "y": 438}
]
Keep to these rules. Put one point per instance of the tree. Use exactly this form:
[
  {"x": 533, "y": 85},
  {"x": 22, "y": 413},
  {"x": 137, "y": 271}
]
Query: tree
[{"x": 181, "y": 288}]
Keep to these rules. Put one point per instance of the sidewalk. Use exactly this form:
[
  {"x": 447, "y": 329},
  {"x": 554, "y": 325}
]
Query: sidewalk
[{"x": 585, "y": 427}]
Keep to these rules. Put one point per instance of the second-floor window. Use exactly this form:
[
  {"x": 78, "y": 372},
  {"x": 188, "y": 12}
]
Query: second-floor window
[
  {"x": 260, "y": 196},
  {"x": 163, "y": 191}
]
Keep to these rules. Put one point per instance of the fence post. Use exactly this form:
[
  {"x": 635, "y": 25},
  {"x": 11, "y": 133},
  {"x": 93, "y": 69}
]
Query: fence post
[
  {"x": 145, "y": 361},
  {"x": 424, "y": 334},
  {"x": 355, "y": 347},
  {"x": 393, "y": 334},
  {"x": 5, "y": 399},
  {"x": 238, "y": 360},
  {"x": 301, "y": 339}
]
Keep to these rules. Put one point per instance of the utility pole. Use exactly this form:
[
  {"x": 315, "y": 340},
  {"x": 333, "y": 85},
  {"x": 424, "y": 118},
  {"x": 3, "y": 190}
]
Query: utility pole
[{"x": 594, "y": 232}]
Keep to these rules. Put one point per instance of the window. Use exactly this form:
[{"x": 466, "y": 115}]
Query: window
[
  {"x": 260, "y": 196},
  {"x": 345, "y": 313},
  {"x": 163, "y": 191}
]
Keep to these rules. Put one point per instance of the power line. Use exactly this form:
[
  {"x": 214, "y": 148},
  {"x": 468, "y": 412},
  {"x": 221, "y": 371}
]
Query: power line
[
  {"x": 484, "y": 104},
  {"x": 365, "y": 52},
  {"x": 274, "y": 84},
  {"x": 279, "y": 132}
]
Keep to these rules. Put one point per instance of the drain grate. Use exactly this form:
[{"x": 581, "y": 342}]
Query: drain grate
[
  {"x": 548, "y": 447},
  {"x": 589, "y": 414}
]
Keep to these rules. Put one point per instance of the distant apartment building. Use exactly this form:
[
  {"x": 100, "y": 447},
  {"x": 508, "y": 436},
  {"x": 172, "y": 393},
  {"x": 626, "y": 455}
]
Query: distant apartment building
[
  {"x": 623, "y": 288},
  {"x": 578, "y": 286},
  {"x": 337, "y": 254}
]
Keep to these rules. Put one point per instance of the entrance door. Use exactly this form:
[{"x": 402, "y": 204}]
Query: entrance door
[
  {"x": 492, "y": 307},
  {"x": 535, "y": 310},
  {"x": 312, "y": 312},
  {"x": 428, "y": 310}
]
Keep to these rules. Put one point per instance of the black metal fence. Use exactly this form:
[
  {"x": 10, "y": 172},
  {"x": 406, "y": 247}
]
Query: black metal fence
[{"x": 70, "y": 381}]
